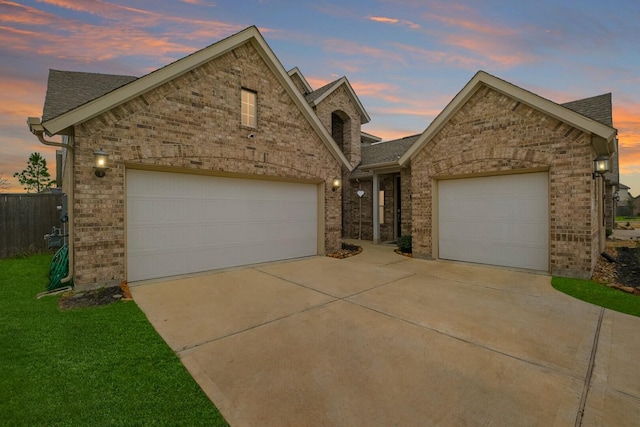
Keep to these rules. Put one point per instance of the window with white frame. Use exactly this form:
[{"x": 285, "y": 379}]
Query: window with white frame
[{"x": 249, "y": 108}]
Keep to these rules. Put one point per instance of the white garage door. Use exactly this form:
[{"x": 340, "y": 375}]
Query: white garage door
[
  {"x": 180, "y": 223},
  {"x": 498, "y": 220}
]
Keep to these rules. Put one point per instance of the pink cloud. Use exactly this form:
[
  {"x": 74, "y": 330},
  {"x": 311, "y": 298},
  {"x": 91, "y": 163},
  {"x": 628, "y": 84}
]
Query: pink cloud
[
  {"x": 474, "y": 26},
  {"x": 199, "y": 2},
  {"x": 627, "y": 121},
  {"x": 383, "y": 91},
  {"x": 96, "y": 7},
  {"x": 496, "y": 51},
  {"x": 388, "y": 133},
  {"x": 16, "y": 13},
  {"x": 19, "y": 99},
  {"x": 353, "y": 49},
  {"x": 433, "y": 56},
  {"x": 128, "y": 32},
  {"x": 403, "y": 22}
]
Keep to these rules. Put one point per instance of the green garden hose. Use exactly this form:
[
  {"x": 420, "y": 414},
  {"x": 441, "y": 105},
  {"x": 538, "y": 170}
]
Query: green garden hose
[{"x": 59, "y": 268}]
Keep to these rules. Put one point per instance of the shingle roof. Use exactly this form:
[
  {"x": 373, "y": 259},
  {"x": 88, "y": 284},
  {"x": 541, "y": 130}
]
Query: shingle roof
[
  {"x": 319, "y": 92},
  {"x": 67, "y": 90},
  {"x": 368, "y": 138},
  {"x": 597, "y": 108},
  {"x": 382, "y": 152}
]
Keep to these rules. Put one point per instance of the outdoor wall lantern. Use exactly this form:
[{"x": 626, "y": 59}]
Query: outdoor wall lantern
[
  {"x": 616, "y": 196},
  {"x": 101, "y": 162},
  {"x": 336, "y": 184},
  {"x": 600, "y": 166}
]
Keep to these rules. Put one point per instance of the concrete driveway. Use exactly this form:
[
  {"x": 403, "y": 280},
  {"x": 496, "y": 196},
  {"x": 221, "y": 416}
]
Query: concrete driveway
[{"x": 380, "y": 339}]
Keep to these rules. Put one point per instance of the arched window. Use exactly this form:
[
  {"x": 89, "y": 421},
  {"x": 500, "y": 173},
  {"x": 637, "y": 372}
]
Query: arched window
[
  {"x": 337, "y": 130},
  {"x": 341, "y": 130}
]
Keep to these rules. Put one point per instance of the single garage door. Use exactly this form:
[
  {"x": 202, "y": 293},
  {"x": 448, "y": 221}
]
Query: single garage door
[
  {"x": 498, "y": 220},
  {"x": 181, "y": 223}
]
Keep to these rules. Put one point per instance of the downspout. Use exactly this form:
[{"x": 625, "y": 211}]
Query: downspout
[{"x": 36, "y": 128}]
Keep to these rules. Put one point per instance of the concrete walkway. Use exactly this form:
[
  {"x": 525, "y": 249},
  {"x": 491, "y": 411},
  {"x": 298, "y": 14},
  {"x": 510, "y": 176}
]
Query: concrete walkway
[{"x": 381, "y": 339}]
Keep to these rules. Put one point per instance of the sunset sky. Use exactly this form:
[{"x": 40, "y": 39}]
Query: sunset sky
[{"x": 406, "y": 59}]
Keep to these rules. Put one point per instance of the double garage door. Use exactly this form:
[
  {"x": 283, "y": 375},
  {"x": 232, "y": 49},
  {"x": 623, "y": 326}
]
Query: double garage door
[
  {"x": 498, "y": 220},
  {"x": 181, "y": 223}
]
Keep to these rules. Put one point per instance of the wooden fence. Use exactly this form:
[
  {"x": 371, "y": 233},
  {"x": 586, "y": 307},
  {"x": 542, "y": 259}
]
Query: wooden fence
[{"x": 25, "y": 219}]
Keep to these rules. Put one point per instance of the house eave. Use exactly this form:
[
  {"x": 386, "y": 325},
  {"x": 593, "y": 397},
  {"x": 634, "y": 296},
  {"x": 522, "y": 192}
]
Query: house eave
[
  {"x": 65, "y": 122},
  {"x": 364, "y": 116},
  {"x": 599, "y": 131},
  {"x": 381, "y": 166}
]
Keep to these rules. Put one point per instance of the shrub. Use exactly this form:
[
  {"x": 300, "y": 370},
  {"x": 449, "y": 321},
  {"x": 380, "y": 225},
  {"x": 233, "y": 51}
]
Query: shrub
[
  {"x": 609, "y": 232},
  {"x": 404, "y": 244}
]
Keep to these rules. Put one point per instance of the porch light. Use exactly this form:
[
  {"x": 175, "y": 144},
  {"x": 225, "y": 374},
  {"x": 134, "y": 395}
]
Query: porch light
[
  {"x": 600, "y": 166},
  {"x": 336, "y": 184},
  {"x": 101, "y": 162}
]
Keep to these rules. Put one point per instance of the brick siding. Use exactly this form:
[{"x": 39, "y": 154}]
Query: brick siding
[
  {"x": 339, "y": 101},
  {"x": 192, "y": 123},
  {"x": 493, "y": 133}
]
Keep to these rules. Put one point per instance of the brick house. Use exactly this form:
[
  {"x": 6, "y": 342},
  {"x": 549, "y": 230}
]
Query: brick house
[
  {"x": 224, "y": 158},
  {"x": 502, "y": 177},
  {"x": 215, "y": 160}
]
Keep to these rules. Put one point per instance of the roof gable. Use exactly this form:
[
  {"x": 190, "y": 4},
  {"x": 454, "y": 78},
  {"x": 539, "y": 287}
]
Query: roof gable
[
  {"x": 603, "y": 136},
  {"x": 317, "y": 96},
  {"x": 101, "y": 104},
  {"x": 296, "y": 74}
]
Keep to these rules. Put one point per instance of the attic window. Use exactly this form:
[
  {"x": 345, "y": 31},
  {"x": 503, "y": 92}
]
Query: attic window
[{"x": 249, "y": 108}]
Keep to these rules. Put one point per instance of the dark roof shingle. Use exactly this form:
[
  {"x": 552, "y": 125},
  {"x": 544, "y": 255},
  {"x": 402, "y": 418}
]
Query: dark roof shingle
[
  {"x": 383, "y": 152},
  {"x": 597, "y": 108},
  {"x": 67, "y": 90},
  {"x": 310, "y": 97}
]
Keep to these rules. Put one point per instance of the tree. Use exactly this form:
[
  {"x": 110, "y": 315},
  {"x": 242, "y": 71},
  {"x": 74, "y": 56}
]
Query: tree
[
  {"x": 4, "y": 183},
  {"x": 631, "y": 204},
  {"x": 36, "y": 176}
]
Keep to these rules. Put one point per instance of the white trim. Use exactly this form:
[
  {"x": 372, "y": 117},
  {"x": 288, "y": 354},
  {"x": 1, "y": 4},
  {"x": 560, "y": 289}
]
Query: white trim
[
  {"x": 156, "y": 78},
  {"x": 364, "y": 117},
  {"x": 603, "y": 137},
  {"x": 305, "y": 83},
  {"x": 374, "y": 198}
]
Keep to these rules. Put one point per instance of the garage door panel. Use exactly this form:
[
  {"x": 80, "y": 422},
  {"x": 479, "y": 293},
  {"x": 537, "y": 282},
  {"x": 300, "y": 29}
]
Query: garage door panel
[
  {"x": 499, "y": 220},
  {"x": 178, "y": 223}
]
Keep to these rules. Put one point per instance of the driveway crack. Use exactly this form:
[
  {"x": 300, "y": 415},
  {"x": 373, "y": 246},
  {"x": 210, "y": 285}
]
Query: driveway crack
[{"x": 587, "y": 380}]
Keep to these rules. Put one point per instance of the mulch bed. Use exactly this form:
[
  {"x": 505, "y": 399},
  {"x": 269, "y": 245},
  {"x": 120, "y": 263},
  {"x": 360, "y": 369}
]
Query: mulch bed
[
  {"x": 624, "y": 273},
  {"x": 346, "y": 251},
  {"x": 94, "y": 298}
]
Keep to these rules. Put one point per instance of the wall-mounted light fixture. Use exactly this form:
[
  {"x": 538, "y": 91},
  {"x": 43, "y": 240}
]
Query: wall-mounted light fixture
[
  {"x": 101, "y": 162},
  {"x": 336, "y": 184},
  {"x": 600, "y": 166},
  {"x": 616, "y": 197}
]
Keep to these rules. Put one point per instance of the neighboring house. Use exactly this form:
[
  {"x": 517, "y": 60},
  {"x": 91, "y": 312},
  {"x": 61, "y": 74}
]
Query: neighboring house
[
  {"x": 623, "y": 194},
  {"x": 502, "y": 176},
  {"x": 622, "y": 204},
  {"x": 223, "y": 158}
]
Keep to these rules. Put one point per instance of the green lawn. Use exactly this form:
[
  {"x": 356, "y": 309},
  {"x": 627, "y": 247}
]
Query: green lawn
[
  {"x": 627, "y": 218},
  {"x": 595, "y": 293},
  {"x": 87, "y": 367}
]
